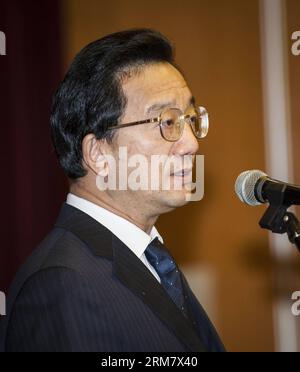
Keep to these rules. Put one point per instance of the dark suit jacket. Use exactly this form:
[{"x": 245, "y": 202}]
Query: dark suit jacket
[{"x": 84, "y": 290}]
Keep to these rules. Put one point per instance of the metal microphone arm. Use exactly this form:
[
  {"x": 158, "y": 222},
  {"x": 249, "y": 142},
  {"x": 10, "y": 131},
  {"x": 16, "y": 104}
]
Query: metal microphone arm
[
  {"x": 293, "y": 228},
  {"x": 279, "y": 220}
]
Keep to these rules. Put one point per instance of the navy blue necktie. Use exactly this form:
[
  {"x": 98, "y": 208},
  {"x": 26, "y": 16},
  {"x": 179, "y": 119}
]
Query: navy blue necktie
[{"x": 167, "y": 270}]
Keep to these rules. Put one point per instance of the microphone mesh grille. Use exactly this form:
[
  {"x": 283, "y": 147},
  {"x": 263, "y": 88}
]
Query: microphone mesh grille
[{"x": 245, "y": 186}]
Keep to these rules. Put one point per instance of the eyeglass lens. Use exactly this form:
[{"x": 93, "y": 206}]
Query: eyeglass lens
[{"x": 172, "y": 124}]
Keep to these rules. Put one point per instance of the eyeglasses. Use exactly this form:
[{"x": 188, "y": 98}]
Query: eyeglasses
[{"x": 172, "y": 120}]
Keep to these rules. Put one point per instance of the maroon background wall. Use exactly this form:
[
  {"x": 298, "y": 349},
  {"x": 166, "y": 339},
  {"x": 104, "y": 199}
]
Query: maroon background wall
[{"x": 32, "y": 186}]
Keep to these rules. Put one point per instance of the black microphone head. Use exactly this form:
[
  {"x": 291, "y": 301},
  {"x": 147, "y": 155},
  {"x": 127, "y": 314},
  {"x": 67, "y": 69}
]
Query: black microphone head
[{"x": 245, "y": 186}]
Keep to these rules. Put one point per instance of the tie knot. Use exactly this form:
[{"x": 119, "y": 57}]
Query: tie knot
[{"x": 159, "y": 257}]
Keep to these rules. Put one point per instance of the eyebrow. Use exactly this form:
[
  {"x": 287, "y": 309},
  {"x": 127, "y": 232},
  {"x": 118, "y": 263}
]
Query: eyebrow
[{"x": 162, "y": 105}]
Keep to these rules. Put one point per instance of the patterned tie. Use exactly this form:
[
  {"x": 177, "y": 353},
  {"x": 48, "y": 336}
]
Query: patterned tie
[{"x": 167, "y": 270}]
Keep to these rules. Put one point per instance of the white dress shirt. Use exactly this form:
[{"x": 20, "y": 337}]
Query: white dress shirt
[{"x": 132, "y": 236}]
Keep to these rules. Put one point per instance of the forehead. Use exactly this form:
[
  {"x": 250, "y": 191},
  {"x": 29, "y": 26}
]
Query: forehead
[{"x": 154, "y": 86}]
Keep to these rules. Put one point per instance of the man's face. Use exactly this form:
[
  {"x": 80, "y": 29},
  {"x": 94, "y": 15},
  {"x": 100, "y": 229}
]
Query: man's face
[{"x": 155, "y": 88}]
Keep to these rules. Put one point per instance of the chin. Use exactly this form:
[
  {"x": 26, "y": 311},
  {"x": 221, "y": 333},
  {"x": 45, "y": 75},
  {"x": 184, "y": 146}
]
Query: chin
[{"x": 176, "y": 199}]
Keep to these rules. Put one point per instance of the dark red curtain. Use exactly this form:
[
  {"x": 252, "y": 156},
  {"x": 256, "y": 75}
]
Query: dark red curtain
[{"x": 32, "y": 184}]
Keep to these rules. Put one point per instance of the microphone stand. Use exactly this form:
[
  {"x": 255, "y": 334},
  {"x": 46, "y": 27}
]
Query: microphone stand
[
  {"x": 293, "y": 228},
  {"x": 280, "y": 221}
]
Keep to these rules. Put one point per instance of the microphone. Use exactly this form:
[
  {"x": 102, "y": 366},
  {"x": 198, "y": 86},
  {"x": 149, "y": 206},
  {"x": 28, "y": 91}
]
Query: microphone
[{"x": 254, "y": 187}]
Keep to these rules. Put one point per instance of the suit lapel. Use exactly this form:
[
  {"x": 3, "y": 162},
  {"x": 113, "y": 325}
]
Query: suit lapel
[
  {"x": 131, "y": 272},
  {"x": 135, "y": 275}
]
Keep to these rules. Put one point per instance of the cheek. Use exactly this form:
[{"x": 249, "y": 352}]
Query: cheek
[{"x": 140, "y": 147}]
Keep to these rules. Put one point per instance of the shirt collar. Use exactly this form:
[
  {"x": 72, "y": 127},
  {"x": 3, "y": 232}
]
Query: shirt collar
[{"x": 132, "y": 236}]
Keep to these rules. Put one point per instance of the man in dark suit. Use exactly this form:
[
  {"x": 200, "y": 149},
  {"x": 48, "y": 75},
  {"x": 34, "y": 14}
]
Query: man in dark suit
[{"x": 102, "y": 280}]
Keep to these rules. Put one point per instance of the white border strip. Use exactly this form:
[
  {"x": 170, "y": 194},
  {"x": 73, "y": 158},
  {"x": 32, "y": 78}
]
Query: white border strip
[{"x": 278, "y": 142}]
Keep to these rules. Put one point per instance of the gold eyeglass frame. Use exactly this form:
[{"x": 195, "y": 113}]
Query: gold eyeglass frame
[{"x": 203, "y": 115}]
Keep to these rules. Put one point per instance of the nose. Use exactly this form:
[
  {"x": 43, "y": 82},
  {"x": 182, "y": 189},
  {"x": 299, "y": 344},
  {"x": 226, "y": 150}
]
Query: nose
[{"x": 187, "y": 144}]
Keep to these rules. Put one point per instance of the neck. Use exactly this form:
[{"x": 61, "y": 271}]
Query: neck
[{"x": 142, "y": 221}]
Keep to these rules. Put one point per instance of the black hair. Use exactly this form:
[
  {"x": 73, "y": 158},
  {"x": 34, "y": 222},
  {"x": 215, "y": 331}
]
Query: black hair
[{"x": 90, "y": 99}]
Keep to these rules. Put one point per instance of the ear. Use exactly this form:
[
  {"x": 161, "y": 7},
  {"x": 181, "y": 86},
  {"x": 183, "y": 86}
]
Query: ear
[{"x": 94, "y": 154}]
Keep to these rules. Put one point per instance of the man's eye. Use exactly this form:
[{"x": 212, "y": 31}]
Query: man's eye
[
  {"x": 168, "y": 123},
  {"x": 193, "y": 119}
]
